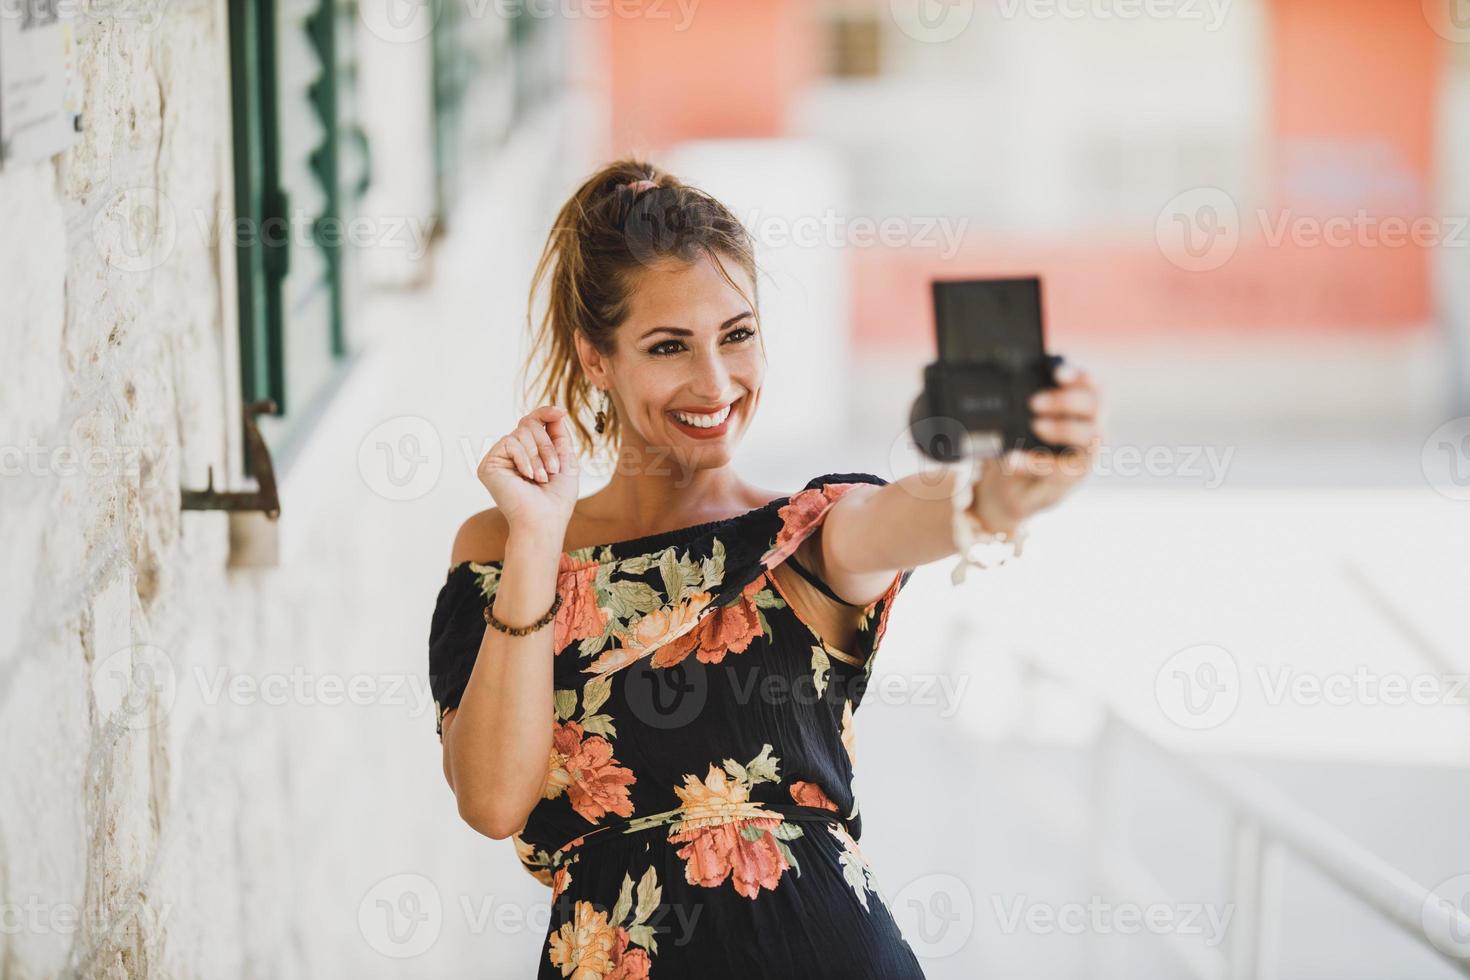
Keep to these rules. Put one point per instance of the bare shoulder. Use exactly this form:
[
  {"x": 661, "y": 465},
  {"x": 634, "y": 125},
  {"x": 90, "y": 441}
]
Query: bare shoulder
[{"x": 481, "y": 537}]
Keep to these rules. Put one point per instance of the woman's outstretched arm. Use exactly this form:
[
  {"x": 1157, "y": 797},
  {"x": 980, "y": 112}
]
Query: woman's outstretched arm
[{"x": 873, "y": 531}]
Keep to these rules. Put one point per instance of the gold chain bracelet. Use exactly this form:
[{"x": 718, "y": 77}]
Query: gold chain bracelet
[{"x": 523, "y": 630}]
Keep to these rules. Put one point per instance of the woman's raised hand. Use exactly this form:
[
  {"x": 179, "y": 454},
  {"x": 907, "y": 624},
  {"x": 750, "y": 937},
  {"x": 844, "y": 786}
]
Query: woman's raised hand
[
  {"x": 1021, "y": 483},
  {"x": 532, "y": 472}
]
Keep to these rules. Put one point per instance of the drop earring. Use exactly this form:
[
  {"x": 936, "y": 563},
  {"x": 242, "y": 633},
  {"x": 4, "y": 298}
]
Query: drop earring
[{"x": 602, "y": 413}]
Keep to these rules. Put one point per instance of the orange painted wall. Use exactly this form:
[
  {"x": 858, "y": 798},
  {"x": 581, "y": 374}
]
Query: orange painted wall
[
  {"x": 1360, "y": 77},
  {"x": 730, "y": 72}
]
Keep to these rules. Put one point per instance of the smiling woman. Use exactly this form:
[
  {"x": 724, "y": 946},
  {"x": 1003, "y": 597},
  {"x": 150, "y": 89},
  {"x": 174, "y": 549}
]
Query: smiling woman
[
  {"x": 604, "y": 666},
  {"x": 651, "y": 689}
]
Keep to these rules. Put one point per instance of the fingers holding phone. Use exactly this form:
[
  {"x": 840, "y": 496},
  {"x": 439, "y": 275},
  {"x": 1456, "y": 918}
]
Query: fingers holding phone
[{"x": 1067, "y": 415}]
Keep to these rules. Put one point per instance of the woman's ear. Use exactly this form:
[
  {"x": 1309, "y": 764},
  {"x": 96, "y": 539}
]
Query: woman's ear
[{"x": 593, "y": 364}]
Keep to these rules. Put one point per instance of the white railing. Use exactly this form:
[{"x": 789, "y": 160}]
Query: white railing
[{"x": 1268, "y": 826}]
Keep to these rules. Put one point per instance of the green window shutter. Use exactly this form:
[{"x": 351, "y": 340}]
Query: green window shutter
[{"x": 301, "y": 166}]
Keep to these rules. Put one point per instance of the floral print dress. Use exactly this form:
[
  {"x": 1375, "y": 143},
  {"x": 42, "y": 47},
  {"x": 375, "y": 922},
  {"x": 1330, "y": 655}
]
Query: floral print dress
[{"x": 698, "y": 818}]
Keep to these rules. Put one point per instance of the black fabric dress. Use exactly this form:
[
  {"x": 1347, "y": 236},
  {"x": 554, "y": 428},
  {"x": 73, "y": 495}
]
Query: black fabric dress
[{"x": 698, "y": 818}]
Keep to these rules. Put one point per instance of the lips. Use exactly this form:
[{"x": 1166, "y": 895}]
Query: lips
[{"x": 709, "y": 432}]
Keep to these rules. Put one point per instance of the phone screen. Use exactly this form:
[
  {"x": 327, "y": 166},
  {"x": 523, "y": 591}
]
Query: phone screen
[{"x": 989, "y": 321}]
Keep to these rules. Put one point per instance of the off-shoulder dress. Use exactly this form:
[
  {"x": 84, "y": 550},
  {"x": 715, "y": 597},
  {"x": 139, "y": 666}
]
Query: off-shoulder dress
[{"x": 699, "y": 817}]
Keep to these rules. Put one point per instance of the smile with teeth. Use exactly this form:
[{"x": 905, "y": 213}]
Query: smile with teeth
[{"x": 703, "y": 421}]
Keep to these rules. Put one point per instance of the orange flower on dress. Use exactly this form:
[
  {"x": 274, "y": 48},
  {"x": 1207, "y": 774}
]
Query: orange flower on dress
[
  {"x": 726, "y": 629},
  {"x": 587, "y": 772},
  {"x": 810, "y": 794},
  {"x": 651, "y": 631},
  {"x": 629, "y": 963},
  {"x": 560, "y": 879},
  {"x": 742, "y": 848},
  {"x": 799, "y": 517},
  {"x": 579, "y": 616},
  {"x": 583, "y": 948}
]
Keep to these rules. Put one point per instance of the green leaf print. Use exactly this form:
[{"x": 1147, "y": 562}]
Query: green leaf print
[
  {"x": 855, "y": 875},
  {"x": 675, "y": 575},
  {"x": 763, "y": 767},
  {"x": 649, "y": 893},
  {"x": 625, "y": 900},
  {"x": 595, "y": 693},
  {"x": 821, "y": 669},
  {"x": 790, "y": 857},
  {"x": 642, "y": 935},
  {"x": 786, "y": 830},
  {"x": 629, "y": 599},
  {"x": 712, "y": 569},
  {"x": 600, "y": 725},
  {"x": 564, "y": 702}
]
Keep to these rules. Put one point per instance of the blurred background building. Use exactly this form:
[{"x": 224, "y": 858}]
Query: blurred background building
[{"x": 1214, "y": 724}]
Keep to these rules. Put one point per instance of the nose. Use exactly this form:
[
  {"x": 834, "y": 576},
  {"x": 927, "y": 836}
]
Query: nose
[{"x": 710, "y": 382}]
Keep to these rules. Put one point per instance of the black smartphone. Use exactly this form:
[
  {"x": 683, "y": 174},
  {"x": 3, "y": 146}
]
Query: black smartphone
[{"x": 992, "y": 358}]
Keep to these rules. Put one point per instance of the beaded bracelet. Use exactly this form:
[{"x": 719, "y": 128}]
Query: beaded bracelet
[{"x": 524, "y": 630}]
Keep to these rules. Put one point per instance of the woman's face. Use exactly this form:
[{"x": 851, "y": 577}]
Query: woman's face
[{"x": 689, "y": 363}]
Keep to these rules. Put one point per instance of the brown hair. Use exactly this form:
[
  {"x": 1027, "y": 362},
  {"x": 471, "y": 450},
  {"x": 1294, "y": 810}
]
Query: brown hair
[{"x": 603, "y": 238}]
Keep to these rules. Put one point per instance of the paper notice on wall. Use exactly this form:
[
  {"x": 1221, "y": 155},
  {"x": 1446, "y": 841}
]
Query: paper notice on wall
[{"x": 40, "y": 98}]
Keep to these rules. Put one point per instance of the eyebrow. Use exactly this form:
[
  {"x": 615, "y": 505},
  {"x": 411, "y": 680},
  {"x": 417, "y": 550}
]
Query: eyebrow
[{"x": 686, "y": 332}]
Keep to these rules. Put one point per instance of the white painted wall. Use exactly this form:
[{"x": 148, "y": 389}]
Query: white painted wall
[{"x": 211, "y": 772}]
